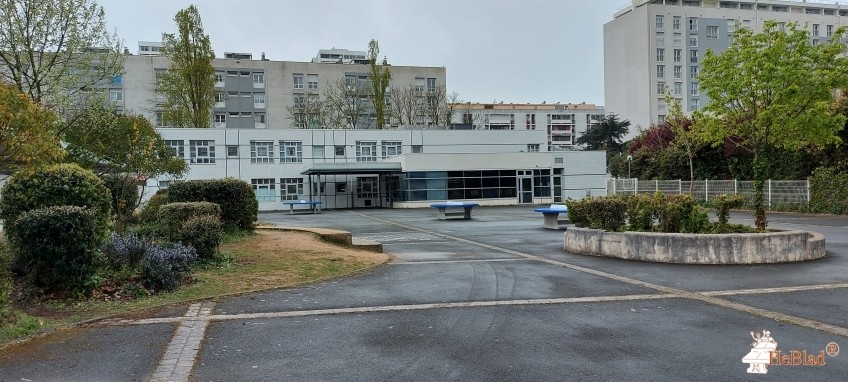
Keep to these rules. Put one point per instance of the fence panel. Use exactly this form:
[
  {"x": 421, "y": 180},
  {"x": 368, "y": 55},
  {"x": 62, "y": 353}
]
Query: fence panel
[{"x": 776, "y": 191}]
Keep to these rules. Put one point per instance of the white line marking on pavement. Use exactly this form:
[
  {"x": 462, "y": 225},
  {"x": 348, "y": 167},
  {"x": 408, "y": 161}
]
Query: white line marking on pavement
[
  {"x": 177, "y": 362},
  {"x": 799, "y": 288},
  {"x": 453, "y": 261},
  {"x": 804, "y": 322}
]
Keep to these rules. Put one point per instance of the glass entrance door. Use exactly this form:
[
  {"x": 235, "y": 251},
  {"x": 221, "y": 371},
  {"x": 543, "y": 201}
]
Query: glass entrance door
[{"x": 525, "y": 189}]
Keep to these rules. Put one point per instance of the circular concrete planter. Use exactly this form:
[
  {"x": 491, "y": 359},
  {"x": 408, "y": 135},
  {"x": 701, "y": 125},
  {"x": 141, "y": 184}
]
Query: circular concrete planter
[{"x": 684, "y": 248}]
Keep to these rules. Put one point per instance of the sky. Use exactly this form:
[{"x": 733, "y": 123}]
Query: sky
[{"x": 493, "y": 50}]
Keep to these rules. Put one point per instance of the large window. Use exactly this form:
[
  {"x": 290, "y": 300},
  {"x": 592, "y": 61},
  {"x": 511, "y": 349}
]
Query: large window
[
  {"x": 291, "y": 188},
  {"x": 298, "y": 81},
  {"x": 177, "y": 147},
  {"x": 659, "y": 21},
  {"x": 392, "y": 148},
  {"x": 366, "y": 151},
  {"x": 456, "y": 185},
  {"x": 202, "y": 152},
  {"x": 258, "y": 79},
  {"x": 291, "y": 152},
  {"x": 313, "y": 81},
  {"x": 367, "y": 187},
  {"x": 660, "y": 54},
  {"x": 261, "y": 152},
  {"x": 259, "y": 100},
  {"x": 712, "y": 32},
  {"x": 265, "y": 189},
  {"x": 660, "y": 71}
]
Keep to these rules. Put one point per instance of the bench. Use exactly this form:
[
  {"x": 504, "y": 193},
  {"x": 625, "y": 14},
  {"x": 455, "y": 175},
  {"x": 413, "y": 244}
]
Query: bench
[
  {"x": 448, "y": 210},
  {"x": 315, "y": 207},
  {"x": 551, "y": 215}
]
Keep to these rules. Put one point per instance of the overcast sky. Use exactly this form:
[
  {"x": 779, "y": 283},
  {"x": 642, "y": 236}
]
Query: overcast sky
[{"x": 510, "y": 51}]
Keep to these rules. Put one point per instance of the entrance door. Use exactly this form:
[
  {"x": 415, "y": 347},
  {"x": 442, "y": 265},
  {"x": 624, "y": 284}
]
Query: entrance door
[{"x": 525, "y": 189}]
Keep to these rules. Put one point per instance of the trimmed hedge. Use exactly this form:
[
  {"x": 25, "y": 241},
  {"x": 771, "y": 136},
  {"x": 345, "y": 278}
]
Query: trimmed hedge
[
  {"x": 124, "y": 191},
  {"x": 239, "y": 206},
  {"x": 204, "y": 233},
  {"x": 172, "y": 216},
  {"x": 59, "y": 245},
  {"x": 57, "y": 185},
  {"x": 829, "y": 191}
]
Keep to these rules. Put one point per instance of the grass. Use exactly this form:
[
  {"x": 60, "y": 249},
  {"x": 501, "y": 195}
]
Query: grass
[{"x": 265, "y": 260}]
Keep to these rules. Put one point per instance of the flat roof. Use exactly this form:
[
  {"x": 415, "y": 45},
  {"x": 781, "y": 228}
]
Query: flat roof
[{"x": 354, "y": 168}]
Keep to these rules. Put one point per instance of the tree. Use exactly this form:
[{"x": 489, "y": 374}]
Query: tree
[
  {"x": 606, "y": 135},
  {"x": 346, "y": 100},
  {"x": 772, "y": 89},
  {"x": 404, "y": 109},
  {"x": 308, "y": 112},
  {"x": 120, "y": 146},
  {"x": 188, "y": 85},
  {"x": 380, "y": 77},
  {"x": 436, "y": 106},
  {"x": 686, "y": 135},
  {"x": 28, "y": 133},
  {"x": 55, "y": 51}
]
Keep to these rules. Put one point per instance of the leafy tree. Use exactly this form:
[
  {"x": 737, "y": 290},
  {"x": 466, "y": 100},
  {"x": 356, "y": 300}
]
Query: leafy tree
[
  {"x": 28, "y": 133},
  {"x": 772, "y": 89},
  {"x": 55, "y": 51},
  {"x": 189, "y": 83},
  {"x": 605, "y": 136},
  {"x": 126, "y": 147},
  {"x": 380, "y": 77},
  {"x": 686, "y": 135}
]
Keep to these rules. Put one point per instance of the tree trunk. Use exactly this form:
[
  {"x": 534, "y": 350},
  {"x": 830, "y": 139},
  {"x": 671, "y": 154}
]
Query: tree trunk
[
  {"x": 691, "y": 173},
  {"x": 759, "y": 197}
]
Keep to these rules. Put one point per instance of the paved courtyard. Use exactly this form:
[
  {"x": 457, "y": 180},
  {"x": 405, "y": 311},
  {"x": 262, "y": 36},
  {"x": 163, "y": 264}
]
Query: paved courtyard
[{"x": 493, "y": 298}]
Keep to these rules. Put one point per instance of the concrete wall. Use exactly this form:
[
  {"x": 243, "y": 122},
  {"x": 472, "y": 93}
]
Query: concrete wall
[{"x": 757, "y": 248}]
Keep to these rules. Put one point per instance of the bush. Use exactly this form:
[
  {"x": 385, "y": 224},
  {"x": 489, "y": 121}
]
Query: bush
[
  {"x": 673, "y": 211},
  {"x": 163, "y": 269},
  {"x": 6, "y": 283},
  {"x": 577, "y": 212},
  {"x": 58, "y": 185},
  {"x": 236, "y": 198},
  {"x": 150, "y": 210},
  {"x": 724, "y": 203},
  {"x": 172, "y": 216},
  {"x": 698, "y": 221},
  {"x": 641, "y": 212},
  {"x": 59, "y": 245},
  {"x": 829, "y": 191},
  {"x": 205, "y": 233},
  {"x": 125, "y": 193},
  {"x": 606, "y": 213},
  {"x": 125, "y": 251}
]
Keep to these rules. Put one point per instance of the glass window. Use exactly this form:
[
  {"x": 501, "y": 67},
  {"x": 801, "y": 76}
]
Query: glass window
[
  {"x": 291, "y": 152},
  {"x": 177, "y": 147},
  {"x": 659, "y": 21},
  {"x": 366, "y": 151},
  {"x": 340, "y": 151},
  {"x": 291, "y": 188},
  {"x": 264, "y": 189},
  {"x": 693, "y": 88},
  {"x": 259, "y": 100},
  {"x": 317, "y": 152},
  {"x": 261, "y": 152},
  {"x": 202, "y": 151},
  {"x": 678, "y": 53},
  {"x": 660, "y": 71},
  {"x": 313, "y": 81},
  {"x": 693, "y": 24},
  {"x": 676, "y": 22},
  {"x": 678, "y": 72},
  {"x": 258, "y": 78},
  {"x": 660, "y": 54},
  {"x": 232, "y": 151},
  {"x": 693, "y": 56},
  {"x": 392, "y": 148},
  {"x": 712, "y": 32},
  {"x": 298, "y": 81}
]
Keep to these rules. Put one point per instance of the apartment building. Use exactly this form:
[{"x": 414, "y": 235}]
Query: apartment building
[
  {"x": 654, "y": 45},
  {"x": 563, "y": 123},
  {"x": 257, "y": 93}
]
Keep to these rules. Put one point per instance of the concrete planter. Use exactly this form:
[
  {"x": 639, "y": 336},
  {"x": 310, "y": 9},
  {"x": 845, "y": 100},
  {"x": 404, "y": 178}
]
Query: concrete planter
[{"x": 735, "y": 248}]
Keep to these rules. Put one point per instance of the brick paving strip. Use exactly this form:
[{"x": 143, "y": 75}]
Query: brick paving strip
[{"x": 179, "y": 357}]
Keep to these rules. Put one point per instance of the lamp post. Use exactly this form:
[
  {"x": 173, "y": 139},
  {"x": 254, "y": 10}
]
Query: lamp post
[{"x": 629, "y": 160}]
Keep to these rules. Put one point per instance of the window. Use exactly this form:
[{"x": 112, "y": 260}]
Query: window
[
  {"x": 829, "y": 30},
  {"x": 660, "y": 71},
  {"x": 340, "y": 151},
  {"x": 391, "y": 148},
  {"x": 678, "y": 72},
  {"x": 712, "y": 32},
  {"x": 659, "y": 22},
  {"x": 660, "y": 88},
  {"x": 678, "y": 88},
  {"x": 317, "y": 152},
  {"x": 202, "y": 151},
  {"x": 419, "y": 84},
  {"x": 259, "y": 100},
  {"x": 746, "y": 24},
  {"x": 245, "y": 94},
  {"x": 693, "y": 40},
  {"x": 341, "y": 187},
  {"x": 232, "y": 151},
  {"x": 298, "y": 81},
  {"x": 220, "y": 97},
  {"x": 693, "y": 88},
  {"x": 678, "y": 40},
  {"x": 116, "y": 96},
  {"x": 232, "y": 73},
  {"x": 220, "y": 119},
  {"x": 660, "y": 38},
  {"x": 262, "y": 152},
  {"x": 431, "y": 84},
  {"x": 264, "y": 189},
  {"x": 366, "y": 151},
  {"x": 313, "y": 81},
  {"x": 660, "y": 54},
  {"x": 661, "y": 119},
  {"x": 258, "y": 79},
  {"x": 219, "y": 77},
  {"x": 160, "y": 119},
  {"x": 291, "y": 188},
  {"x": 678, "y": 53},
  {"x": 693, "y": 56},
  {"x": 533, "y": 148},
  {"x": 694, "y": 104},
  {"x": 417, "y": 149},
  {"x": 367, "y": 187},
  {"x": 693, "y": 72},
  {"x": 291, "y": 152},
  {"x": 176, "y": 147},
  {"x": 118, "y": 79},
  {"x": 675, "y": 22},
  {"x": 693, "y": 24},
  {"x": 259, "y": 119},
  {"x": 816, "y": 30}
]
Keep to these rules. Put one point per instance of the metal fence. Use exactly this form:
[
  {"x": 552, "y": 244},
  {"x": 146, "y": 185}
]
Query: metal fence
[{"x": 777, "y": 192}]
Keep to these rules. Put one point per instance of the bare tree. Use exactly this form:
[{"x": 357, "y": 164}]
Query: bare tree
[
  {"x": 470, "y": 115},
  {"x": 436, "y": 106},
  {"x": 347, "y": 102},
  {"x": 452, "y": 104},
  {"x": 403, "y": 108},
  {"x": 309, "y": 112}
]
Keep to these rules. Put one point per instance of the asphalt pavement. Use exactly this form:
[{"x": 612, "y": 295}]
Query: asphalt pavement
[{"x": 492, "y": 298}]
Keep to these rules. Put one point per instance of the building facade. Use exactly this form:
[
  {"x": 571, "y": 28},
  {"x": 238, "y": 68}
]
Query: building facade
[
  {"x": 563, "y": 123},
  {"x": 654, "y": 45}
]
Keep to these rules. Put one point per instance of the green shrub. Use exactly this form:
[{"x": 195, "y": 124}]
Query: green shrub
[
  {"x": 641, "y": 212},
  {"x": 6, "y": 283},
  {"x": 724, "y": 203},
  {"x": 577, "y": 212},
  {"x": 673, "y": 211},
  {"x": 150, "y": 210},
  {"x": 204, "y": 233},
  {"x": 697, "y": 221},
  {"x": 172, "y": 216},
  {"x": 607, "y": 212},
  {"x": 125, "y": 193},
  {"x": 60, "y": 246},
  {"x": 239, "y": 206},
  {"x": 829, "y": 191}
]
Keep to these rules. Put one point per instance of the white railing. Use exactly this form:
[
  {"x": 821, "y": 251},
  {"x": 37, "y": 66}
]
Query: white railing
[{"x": 776, "y": 191}]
